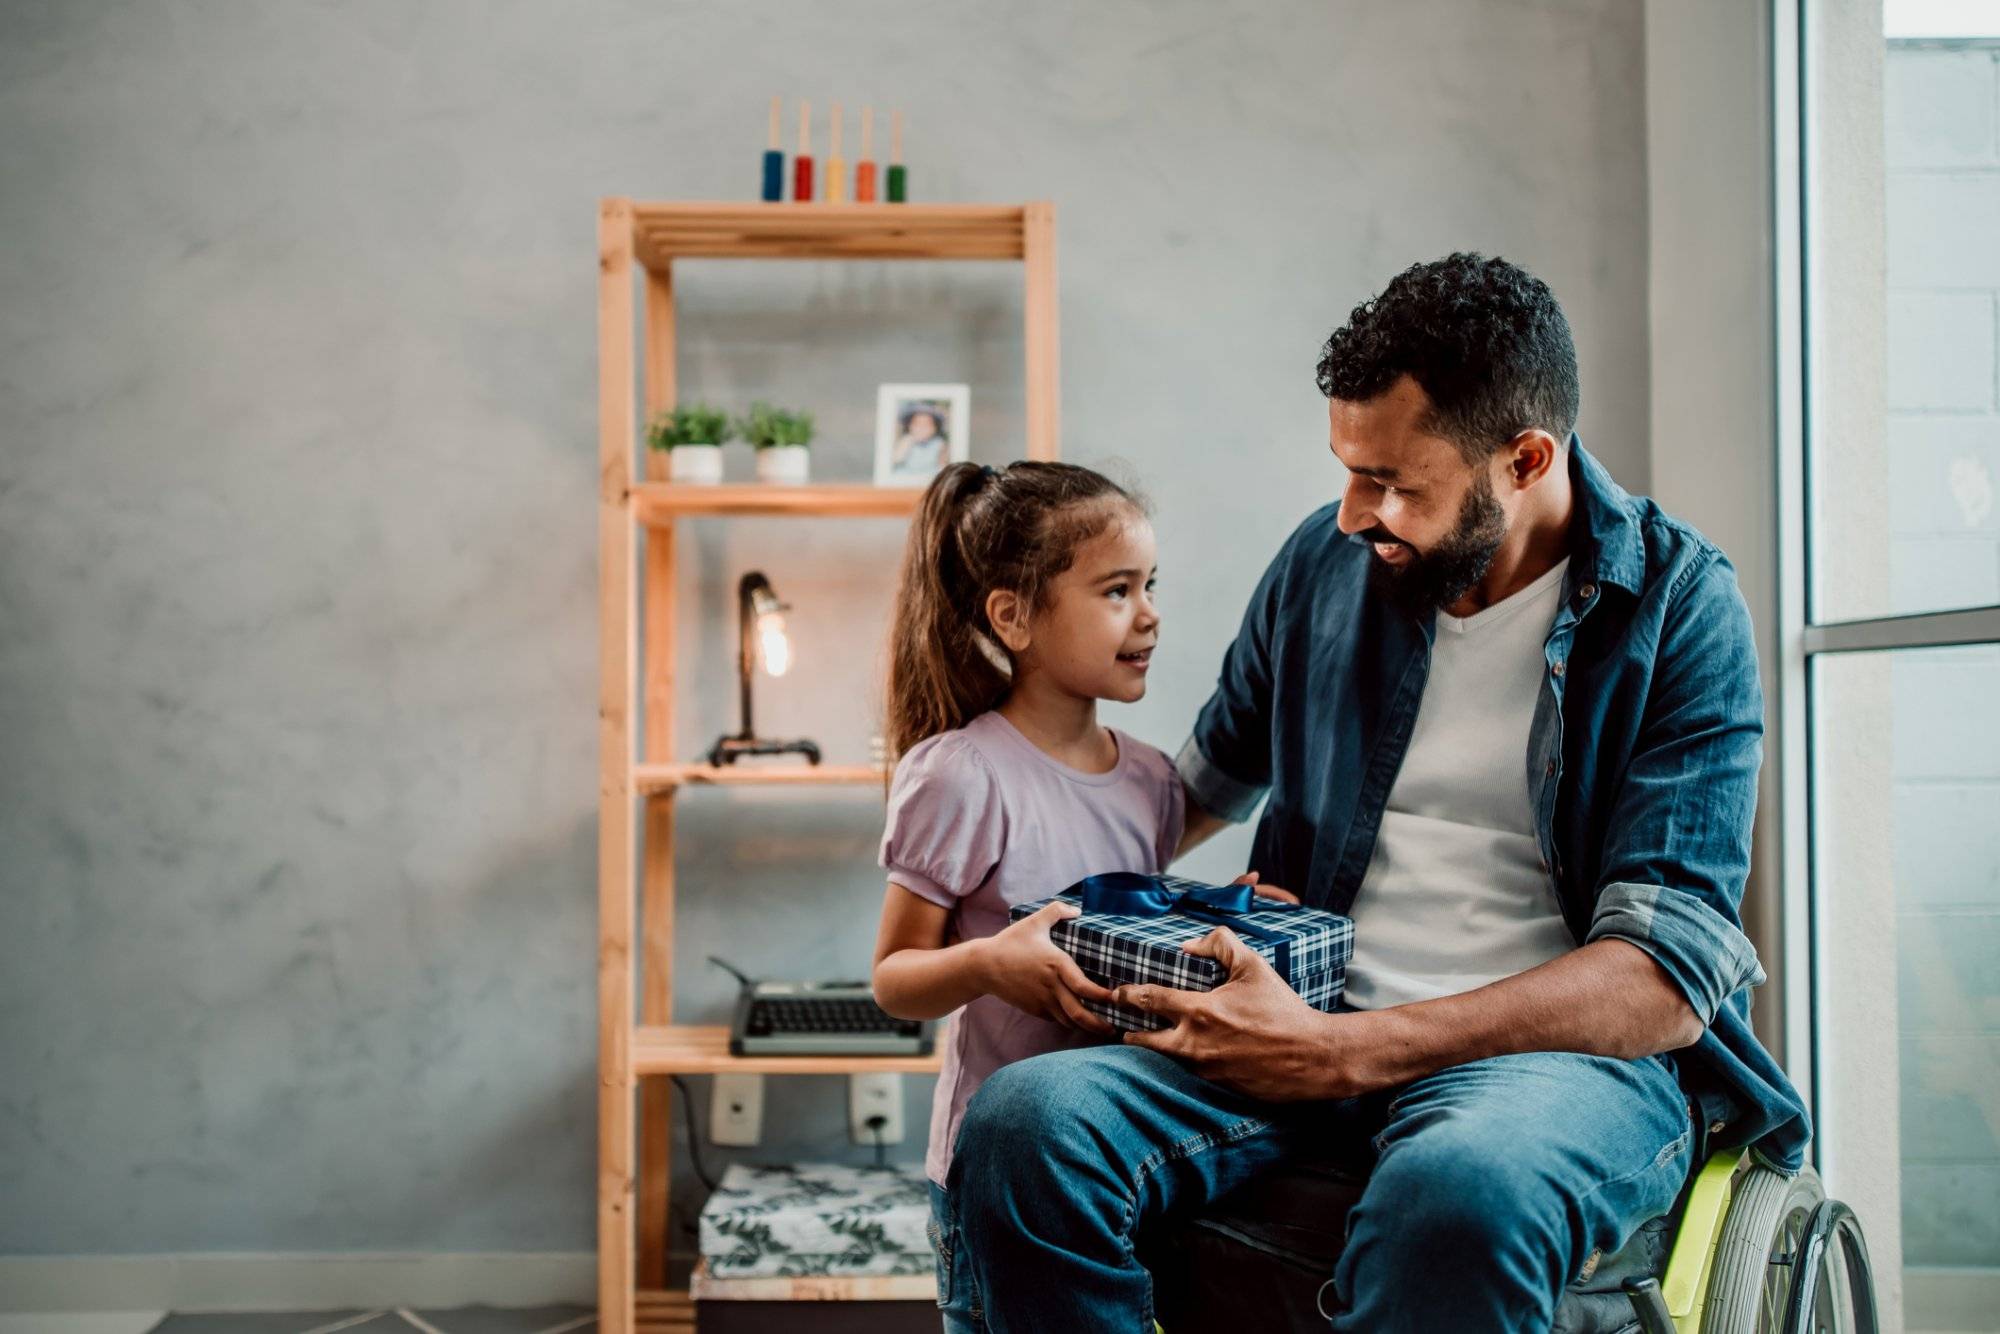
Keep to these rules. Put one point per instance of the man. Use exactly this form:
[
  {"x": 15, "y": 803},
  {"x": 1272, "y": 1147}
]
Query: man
[{"x": 1507, "y": 717}]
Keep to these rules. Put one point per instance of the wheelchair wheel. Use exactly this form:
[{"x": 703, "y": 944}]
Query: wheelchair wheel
[
  {"x": 1833, "y": 1285},
  {"x": 1789, "y": 1261}
]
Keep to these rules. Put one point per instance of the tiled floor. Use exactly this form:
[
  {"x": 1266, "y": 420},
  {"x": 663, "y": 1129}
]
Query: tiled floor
[
  {"x": 460, "y": 1320},
  {"x": 464, "y": 1320}
]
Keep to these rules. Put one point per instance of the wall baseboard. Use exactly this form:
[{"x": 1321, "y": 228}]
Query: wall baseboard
[
  {"x": 287, "y": 1282},
  {"x": 1950, "y": 1299},
  {"x": 1933, "y": 1298}
]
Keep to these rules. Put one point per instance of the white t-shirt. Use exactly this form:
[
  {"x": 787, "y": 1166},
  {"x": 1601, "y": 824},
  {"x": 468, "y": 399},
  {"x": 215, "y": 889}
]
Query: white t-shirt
[{"x": 1456, "y": 895}]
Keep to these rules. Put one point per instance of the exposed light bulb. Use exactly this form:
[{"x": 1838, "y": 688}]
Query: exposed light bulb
[{"x": 777, "y": 649}]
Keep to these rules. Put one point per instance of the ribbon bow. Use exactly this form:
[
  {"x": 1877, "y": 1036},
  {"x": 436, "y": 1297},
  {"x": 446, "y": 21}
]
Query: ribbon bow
[{"x": 1131, "y": 894}]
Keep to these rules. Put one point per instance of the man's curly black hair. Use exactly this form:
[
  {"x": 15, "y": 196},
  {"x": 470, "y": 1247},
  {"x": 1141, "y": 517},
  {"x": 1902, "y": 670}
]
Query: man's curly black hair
[{"x": 1484, "y": 339}]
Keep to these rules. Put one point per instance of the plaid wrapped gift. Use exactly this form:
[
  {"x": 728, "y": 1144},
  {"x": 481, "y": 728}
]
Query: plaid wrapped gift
[
  {"x": 812, "y": 1220},
  {"x": 1133, "y": 927}
]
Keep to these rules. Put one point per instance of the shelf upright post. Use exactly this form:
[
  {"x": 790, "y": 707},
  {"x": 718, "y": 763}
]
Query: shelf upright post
[
  {"x": 617, "y": 651},
  {"x": 656, "y": 868}
]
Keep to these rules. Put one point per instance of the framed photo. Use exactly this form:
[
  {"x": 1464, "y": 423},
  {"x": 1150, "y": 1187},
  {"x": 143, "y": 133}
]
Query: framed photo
[{"x": 918, "y": 429}]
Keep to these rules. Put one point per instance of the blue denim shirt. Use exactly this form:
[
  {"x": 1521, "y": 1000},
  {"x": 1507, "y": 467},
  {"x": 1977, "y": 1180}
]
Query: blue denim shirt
[{"x": 1641, "y": 766}]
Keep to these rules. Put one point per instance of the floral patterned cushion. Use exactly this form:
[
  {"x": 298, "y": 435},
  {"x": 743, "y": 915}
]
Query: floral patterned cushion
[{"x": 813, "y": 1219}]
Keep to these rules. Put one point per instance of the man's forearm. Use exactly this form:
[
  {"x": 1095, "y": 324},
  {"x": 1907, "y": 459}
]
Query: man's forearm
[{"x": 1607, "y": 998}]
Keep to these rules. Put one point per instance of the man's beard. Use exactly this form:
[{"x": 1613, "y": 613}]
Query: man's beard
[{"x": 1448, "y": 571}]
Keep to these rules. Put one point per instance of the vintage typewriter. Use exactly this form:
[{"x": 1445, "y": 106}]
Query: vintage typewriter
[{"x": 820, "y": 1019}]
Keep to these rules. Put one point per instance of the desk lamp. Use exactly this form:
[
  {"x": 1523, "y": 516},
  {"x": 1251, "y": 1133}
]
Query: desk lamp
[{"x": 761, "y": 620}]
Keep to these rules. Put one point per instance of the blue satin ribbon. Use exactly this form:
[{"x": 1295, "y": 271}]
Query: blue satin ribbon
[{"x": 1132, "y": 894}]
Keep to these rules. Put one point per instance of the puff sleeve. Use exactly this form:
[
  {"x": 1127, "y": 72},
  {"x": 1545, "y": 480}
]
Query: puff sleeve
[{"x": 946, "y": 825}]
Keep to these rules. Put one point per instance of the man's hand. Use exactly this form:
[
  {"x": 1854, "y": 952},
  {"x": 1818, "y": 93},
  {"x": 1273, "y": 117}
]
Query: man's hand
[
  {"x": 1023, "y": 967},
  {"x": 1253, "y": 1034},
  {"x": 1264, "y": 891}
]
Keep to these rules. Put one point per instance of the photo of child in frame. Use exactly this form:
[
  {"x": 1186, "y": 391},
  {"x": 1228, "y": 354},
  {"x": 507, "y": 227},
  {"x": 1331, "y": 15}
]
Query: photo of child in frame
[{"x": 918, "y": 429}]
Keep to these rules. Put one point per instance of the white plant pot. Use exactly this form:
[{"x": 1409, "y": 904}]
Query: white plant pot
[
  {"x": 787, "y": 465},
  {"x": 697, "y": 464}
]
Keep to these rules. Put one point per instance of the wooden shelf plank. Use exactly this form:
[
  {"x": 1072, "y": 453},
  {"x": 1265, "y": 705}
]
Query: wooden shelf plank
[
  {"x": 664, "y": 1311},
  {"x": 655, "y": 778},
  {"x": 662, "y": 502},
  {"x": 704, "y": 1287},
  {"x": 691, "y": 1049},
  {"x": 665, "y": 232}
]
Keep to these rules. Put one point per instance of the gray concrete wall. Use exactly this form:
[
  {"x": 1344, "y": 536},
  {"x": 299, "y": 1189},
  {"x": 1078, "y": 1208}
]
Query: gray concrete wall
[{"x": 297, "y": 544}]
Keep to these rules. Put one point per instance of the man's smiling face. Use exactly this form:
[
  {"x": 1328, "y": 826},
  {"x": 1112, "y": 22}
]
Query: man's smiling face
[{"x": 1430, "y": 517}]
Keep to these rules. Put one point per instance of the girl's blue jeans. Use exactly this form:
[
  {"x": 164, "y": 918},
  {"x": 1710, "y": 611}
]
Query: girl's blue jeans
[
  {"x": 954, "y": 1278},
  {"x": 1493, "y": 1185}
]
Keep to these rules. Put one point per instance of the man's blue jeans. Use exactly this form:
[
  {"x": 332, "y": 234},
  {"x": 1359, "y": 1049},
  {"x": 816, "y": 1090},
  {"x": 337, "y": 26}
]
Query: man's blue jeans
[{"x": 1493, "y": 1185}]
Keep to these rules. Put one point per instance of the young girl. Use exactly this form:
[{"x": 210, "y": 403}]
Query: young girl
[{"x": 1026, "y": 597}]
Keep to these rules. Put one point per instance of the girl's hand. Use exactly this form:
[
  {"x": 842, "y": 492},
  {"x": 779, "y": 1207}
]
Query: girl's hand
[{"x": 1023, "y": 967}]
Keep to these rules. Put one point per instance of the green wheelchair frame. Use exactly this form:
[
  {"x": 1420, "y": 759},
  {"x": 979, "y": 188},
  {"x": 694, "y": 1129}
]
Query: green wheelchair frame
[{"x": 1758, "y": 1252}]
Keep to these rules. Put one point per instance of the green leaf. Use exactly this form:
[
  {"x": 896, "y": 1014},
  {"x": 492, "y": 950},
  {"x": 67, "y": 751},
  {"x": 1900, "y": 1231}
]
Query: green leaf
[
  {"x": 766, "y": 427},
  {"x": 689, "y": 424}
]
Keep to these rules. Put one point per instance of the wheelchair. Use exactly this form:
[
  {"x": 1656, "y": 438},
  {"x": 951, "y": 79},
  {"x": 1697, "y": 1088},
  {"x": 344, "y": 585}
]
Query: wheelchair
[{"x": 1745, "y": 1250}]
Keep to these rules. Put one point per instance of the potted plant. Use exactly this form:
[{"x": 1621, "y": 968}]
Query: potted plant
[
  {"x": 781, "y": 440},
  {"x": 692, "y": 436}
]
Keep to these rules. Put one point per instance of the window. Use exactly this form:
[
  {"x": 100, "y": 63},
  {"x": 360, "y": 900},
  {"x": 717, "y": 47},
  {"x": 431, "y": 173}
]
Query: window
[{"x": 1892, "y": 706}]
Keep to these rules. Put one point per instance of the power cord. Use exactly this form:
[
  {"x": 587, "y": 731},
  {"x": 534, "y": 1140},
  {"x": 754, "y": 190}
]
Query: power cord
[
  {"x": 728, "y": 967},
  {"x": 876, "y": 1124},
  {"x": 694, "y": 1138}
]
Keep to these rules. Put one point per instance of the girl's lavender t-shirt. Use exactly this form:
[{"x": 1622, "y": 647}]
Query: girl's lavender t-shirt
[{"x": 980, "y": 819}]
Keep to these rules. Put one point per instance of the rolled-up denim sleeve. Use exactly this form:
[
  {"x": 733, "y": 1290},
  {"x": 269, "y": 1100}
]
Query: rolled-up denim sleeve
[
  {"x": 1679, "y": 852},
  {"x": 1226, "y": 762}
]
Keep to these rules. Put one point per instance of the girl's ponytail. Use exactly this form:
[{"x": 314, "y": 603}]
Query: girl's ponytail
[{"x": 940, "y": 674}]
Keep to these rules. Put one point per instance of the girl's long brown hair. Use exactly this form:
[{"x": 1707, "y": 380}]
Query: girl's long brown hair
[{"x": 976, "y": 530}]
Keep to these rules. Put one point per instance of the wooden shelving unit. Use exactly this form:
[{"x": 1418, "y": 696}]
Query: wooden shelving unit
[{"x": 640, "y": 779}]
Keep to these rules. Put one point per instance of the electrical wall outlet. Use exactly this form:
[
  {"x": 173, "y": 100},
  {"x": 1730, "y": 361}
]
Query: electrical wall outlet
[
  {"x": 736, "y": 1110},
  {"x": 870, "y": 1096}
]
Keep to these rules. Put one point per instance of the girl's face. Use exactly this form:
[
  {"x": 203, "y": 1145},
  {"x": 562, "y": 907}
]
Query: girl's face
[
  {"x": 922, "y": 425},
  {"x": 1095, "y": 636}
]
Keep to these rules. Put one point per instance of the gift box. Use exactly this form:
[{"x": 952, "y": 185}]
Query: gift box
[
  {"x": 1133, "y": 927},
  {"x": 813, "y": 1220}
]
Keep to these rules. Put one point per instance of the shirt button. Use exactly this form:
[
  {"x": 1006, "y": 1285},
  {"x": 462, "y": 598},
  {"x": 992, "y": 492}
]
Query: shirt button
[
  {"x": 1586, "y": 593},
  {"x": 1716, "y": 1128},
  {"x": 1557, "y": 667}
]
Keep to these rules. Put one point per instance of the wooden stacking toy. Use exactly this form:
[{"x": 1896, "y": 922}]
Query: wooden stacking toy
[
  {"x": 899, "y": 179},
  {"x": 871, "y": 184},
  {"x": 802, "y": 165},
  {"x": 864, "y": 170},
  {"x": 774, "y": 160},
  {"x": 836, "y": 165}
]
